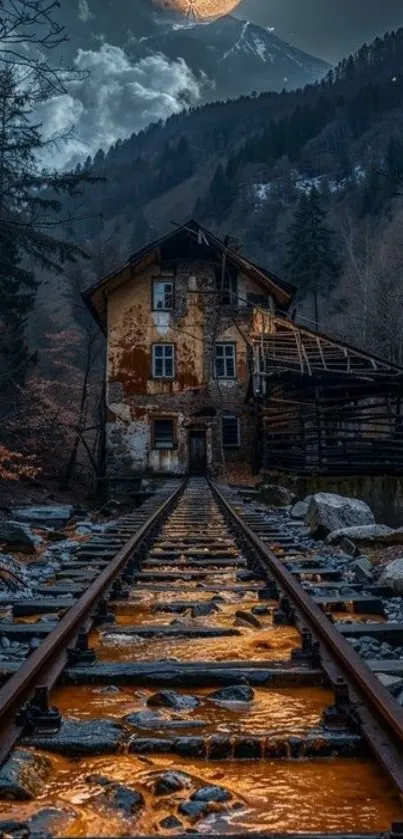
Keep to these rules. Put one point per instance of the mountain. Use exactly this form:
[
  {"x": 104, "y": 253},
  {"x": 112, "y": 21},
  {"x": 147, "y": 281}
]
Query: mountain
[
  {"x": 239, "y": 166},
  {"x": 325, "y": 28},
  {"x": 237, "y": 56},
  {"x": 234, "y": 57}
]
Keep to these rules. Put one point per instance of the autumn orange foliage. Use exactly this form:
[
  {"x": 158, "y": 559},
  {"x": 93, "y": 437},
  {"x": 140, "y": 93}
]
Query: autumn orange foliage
[
  {"x": 15, "y": 465},
  {"x": 49, "y": 411}
]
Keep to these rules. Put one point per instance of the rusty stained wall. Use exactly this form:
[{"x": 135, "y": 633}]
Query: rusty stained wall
[{"x": 134, "y": 397}]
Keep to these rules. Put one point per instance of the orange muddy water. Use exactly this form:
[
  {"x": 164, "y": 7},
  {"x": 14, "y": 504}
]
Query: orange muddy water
[
  {"x": 252, "y": 644},
  {"x": 280, "y": 712},
  {"x": 279, "y": 796}
]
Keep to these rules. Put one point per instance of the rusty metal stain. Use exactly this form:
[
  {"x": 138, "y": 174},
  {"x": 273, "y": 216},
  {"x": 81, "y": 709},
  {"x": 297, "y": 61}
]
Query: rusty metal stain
[{"x": 134, "y": 397}]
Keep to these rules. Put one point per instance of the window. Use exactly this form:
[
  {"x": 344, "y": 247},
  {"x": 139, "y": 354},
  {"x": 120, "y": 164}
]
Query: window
[
  {"x": 164, "y": 361},
  {"x": 225, "y": 365},
  {"x": 261, "y": 300},
  {"x": 230, "y": 431},
  {"x": 228, "y": 288},
  {"x": 163, "y": 295},
  {"x": 163, "y": 434}
]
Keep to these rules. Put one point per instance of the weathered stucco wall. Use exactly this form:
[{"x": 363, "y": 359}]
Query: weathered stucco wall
[{"x": 134, "y": 398}]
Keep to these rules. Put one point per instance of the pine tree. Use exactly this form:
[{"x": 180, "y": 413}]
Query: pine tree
[
  {"x": 29, "y": 202},
  {"x": 312, "y": 265},
  {"x": 17, "y": 295}
]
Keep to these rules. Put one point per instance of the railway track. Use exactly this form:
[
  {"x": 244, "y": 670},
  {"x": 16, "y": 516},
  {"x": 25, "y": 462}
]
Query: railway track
[{"x": 195, "y": 669}]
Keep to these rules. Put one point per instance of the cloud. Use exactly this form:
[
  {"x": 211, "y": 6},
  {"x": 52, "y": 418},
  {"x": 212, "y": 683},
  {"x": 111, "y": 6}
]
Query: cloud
[
  {"x": 84, "y": 11},
  {"x": 117, "y": 98}
]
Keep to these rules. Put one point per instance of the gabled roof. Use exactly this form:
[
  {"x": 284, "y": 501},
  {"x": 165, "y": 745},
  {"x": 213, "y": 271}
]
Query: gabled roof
[{"x": 193, "y": 236}]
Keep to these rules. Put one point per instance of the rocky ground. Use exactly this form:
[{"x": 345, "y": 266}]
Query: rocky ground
[{"x": 35, "y": 541}]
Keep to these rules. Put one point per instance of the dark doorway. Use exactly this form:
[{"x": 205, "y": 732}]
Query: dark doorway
[{"x": 197, "y": 451}]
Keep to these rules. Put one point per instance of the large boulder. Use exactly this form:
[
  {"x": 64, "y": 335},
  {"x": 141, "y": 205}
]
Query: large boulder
[
  {"x": 276, "y": 495},
  {"x": 52, "y": 515},
  {"x": 328, "y": 512},
  {"x": 364, "y": 534},
  {"x": 17, "y": 537},
  {"x": 392, "y": 575}
]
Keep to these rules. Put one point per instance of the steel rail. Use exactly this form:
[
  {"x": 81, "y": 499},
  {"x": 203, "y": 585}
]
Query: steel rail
[
  {"x": 377, "y": 697},
  {"x": 46, "y": 663}
]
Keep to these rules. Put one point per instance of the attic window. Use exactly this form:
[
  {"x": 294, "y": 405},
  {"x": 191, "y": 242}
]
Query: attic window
[
  {"x": 163, "y": 295},
  {"x": 263, "y": 301}
]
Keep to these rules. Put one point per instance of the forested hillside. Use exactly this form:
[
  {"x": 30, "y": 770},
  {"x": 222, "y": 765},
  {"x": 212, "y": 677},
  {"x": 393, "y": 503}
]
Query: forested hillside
[
  {"x": 241, "y": 167},
  {"x": 307, "y": 181}
]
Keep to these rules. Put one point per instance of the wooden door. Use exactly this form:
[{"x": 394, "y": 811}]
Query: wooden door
[{"x": 197, "y": 452}]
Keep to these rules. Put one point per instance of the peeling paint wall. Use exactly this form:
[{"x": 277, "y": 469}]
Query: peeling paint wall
[{"x": 134, "y": 397}]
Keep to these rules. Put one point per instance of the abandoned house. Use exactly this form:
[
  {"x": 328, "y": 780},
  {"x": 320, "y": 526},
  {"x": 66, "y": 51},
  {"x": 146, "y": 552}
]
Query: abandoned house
[
  {"x": 179, "y": 319},
  {"x": 205, "y": 370}
]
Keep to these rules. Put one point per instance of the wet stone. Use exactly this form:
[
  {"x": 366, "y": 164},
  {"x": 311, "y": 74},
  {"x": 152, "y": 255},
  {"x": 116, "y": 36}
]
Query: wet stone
[
  {"x": 171, "y": 782},
  {"x": 194, "y": 809},
  {"x": 18, "y": 830},
  {"x": 171, "y": 823},
  {"x": 143, "y": 719},
  {"x": 233, "y": 693},
  {"x": 202, "y": 609},
  {"x": 246, "y": 618},
  {"x": 174, "y": 700},
  {"x": 261, "y": 610},
  {"x": 45, "y": 821},
  {"x": 23, "y": 776},
  {"x": 211, "y": 793},
  {"x": 88, "y": 737},
  {"x": 125, "y": 800}
]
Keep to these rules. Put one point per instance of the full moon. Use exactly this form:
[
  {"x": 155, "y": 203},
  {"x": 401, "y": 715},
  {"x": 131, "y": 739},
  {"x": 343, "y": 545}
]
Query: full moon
[{"x": 199, "y": 9}]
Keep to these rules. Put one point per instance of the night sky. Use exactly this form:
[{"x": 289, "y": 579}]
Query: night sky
[
  {"x": 330, "y": 29},
  {"x": 119, "y": 94}
]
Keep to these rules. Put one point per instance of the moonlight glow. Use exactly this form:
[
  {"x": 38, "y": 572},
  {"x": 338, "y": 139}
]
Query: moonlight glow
[{"x": 199, "y": 9}]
